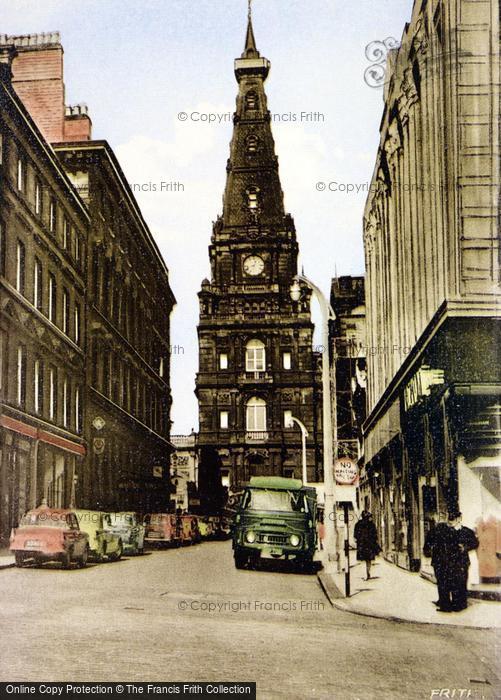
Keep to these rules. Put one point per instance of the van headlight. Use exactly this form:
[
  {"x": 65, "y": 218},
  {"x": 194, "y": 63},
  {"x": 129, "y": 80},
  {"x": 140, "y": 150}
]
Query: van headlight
[
  {"x": 294, "y": 540},
  {"x": 250, "y": 536}
]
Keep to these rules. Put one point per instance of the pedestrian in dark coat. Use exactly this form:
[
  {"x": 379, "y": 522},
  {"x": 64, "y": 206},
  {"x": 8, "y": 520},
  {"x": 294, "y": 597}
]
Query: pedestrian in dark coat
[
  {"x": 365, "y": 534},
  {"x": 448, "y": 545}
]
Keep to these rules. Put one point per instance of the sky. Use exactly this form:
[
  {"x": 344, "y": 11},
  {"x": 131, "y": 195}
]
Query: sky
[{"x": 157, "y": 76}]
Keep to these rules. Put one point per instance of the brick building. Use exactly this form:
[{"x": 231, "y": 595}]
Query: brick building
[
  {"x": 433, "y": 432},
  {"x": 75, "y": 240},
  {"x": 256, "y": 362},
  {"x": 43, "y": 234}
]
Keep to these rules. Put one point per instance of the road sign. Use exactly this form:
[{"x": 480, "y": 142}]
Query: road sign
[{"x": 346, "y": 471}]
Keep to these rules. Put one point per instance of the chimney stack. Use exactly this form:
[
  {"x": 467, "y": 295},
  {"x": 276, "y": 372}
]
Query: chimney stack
[{"x": 37, "y": 77}]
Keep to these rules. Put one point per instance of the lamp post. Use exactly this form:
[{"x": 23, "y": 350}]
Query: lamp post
[
  {"x": 304, "y": 435},
  {"x": 329, "y": 435}
]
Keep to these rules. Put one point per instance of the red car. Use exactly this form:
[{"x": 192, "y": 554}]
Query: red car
[
  {"x": 162, "y": 529},
  {"x": 50, "y": 534}
]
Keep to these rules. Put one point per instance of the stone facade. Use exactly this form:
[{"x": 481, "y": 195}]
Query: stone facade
[
  {"x": 433, "y": 433},
  {"x": 129, "y": 302},
  {"x": 256, "y": 363},
  {"x": 347, "y": 337},
  {"x": 84, "y": 308},
  {"x": 43, "y": 234},
  {"x": 184, "y": 473}
]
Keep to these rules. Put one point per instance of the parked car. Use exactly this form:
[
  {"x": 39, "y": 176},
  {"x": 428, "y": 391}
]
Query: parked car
[
  {"x": 129, "y": 528},
  {"x": 50, "y": 534},
  {"x": 190, "y": 533},
  {"x": 103, "y": 543},
  {"x": 206, "y": 527},
  {"x": 162, "y": 528},
  {"x": 221, "y": 527}
]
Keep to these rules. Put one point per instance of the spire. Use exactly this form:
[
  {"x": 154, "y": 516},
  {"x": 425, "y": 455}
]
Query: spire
[
  {"x": 253, "y": 194},
  {"x": 251, "y": 62},
  {"x": 250, "y": 50}
]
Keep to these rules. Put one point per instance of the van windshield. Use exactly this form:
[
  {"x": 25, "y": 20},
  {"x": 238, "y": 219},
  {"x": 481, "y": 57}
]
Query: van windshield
[{"x": 282, "y": 501}]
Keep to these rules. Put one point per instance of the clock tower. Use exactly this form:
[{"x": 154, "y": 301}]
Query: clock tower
[{"x": 257, "y": 366}]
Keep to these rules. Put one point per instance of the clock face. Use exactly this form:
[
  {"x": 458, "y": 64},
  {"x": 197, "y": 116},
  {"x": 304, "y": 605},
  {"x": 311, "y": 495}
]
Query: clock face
[{"x": 253, "y": 265}]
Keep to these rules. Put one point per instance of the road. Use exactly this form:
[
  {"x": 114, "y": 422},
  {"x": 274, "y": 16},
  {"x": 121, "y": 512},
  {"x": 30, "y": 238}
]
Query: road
[{"x": 189, "y": 615}]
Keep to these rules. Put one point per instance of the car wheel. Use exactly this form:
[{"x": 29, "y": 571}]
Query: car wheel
[
  {"x": 118, "y": 554},
  {"x": 82, "y": 562},
  {"x": 19, "y": 557},
  {"x": 240, "y": 559},
  {"x": 66, "y": 560}
]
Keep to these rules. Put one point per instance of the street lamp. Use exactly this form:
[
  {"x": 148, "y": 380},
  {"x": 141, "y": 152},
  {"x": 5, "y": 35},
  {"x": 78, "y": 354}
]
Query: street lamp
[
  {"x": 327, "y": 422},
  {"x": 304, "y": 435}
]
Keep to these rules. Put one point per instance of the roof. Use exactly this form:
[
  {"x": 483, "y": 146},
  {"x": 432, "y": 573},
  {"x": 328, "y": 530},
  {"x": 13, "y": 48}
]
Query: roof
[
  {"x": 102, "y": 147},
  {"x": 279, "y": 483}
]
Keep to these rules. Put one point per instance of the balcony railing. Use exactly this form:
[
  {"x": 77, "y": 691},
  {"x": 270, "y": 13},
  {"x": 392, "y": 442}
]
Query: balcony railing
[
  {"x": 256, "y": 436},
  {"x": 256, "y": 377}
]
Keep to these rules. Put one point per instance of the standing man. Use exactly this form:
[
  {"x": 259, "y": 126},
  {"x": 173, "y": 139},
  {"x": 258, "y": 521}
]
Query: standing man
[
  {"x": 365, "y": 534},
  {"x": 448, "y": 545},
  {"x": 465, "y": 541},
  {"x": 438, "y": 545}
]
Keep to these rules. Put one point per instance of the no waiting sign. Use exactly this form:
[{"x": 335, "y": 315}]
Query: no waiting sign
[{"x": 345, "y": 471}]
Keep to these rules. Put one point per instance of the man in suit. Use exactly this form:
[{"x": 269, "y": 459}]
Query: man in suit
[
  {"x": 448, "y": 545},
  {"x": 465, "y": 540}
]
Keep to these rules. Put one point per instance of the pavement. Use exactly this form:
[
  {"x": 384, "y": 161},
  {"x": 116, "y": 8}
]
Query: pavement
[
  {"x": 180, "y": 614},
  {"x": 399, "y": 595},
  {"x": 6, "y": 559}
]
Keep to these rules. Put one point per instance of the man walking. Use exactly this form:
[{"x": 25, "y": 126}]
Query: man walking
[
  {"x": 448, "y": 545},
  {"x": 365, "y": 534}
]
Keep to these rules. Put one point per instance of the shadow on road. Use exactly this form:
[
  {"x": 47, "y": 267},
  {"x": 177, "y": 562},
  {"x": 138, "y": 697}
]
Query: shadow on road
[{"x": 286, "y": 567}]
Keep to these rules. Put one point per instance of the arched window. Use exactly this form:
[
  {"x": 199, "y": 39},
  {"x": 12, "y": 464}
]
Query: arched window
[
  {"x": 251, "y": 100},
  {"x": 253, "y": 198},
  {"x": 255, "y": 356},
  {"x": 252, "y": 143},
  {"x": 255, "y": 415}
]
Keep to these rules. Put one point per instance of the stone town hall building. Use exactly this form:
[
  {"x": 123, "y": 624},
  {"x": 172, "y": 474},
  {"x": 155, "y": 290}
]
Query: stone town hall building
[{"x": 256, "y": 362}]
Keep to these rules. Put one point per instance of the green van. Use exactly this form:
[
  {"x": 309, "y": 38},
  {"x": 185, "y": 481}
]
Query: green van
[{"x": 276, "y": 518}]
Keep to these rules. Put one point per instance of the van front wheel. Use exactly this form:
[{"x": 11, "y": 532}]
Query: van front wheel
[{"x": 240, "y": 559}]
